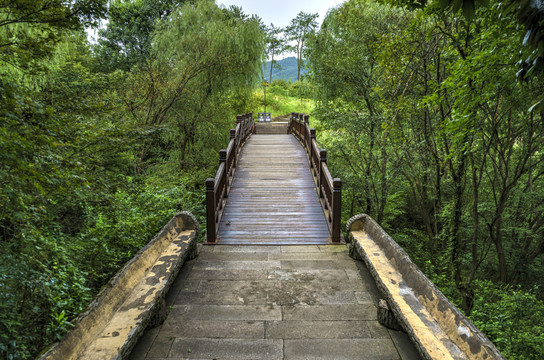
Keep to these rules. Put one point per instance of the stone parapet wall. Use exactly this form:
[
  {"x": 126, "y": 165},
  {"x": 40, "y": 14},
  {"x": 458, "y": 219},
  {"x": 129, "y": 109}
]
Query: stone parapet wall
[
  {"x": 133, "y": 299},
  {"x": 437, "y": 328}
]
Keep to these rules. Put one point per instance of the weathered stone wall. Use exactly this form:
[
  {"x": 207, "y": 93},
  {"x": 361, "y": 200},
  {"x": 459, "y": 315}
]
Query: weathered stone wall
[
  {"x": 117, "y": 317},
  {"x": 436, "y": 326}
]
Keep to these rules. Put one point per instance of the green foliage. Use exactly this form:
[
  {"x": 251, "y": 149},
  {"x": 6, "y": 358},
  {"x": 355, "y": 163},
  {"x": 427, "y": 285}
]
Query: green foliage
[
  {"x": 31, "y": 29},
  {"x": 282, "y": 98},
  {"x": 87, "y": 179},
  {"x": 432, "y": 136},
  {"x": 512, "y": 319},
  {"x": 127, "y": 39}
]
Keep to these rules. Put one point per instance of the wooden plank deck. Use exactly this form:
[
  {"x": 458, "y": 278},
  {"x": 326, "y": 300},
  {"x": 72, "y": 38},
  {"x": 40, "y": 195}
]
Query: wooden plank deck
[{"x": 273, "y": 199}]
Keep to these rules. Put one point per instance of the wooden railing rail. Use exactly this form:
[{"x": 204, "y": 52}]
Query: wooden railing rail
[
  {"x": 329, "y": 188},
  {"x": 217, "y": 189}
]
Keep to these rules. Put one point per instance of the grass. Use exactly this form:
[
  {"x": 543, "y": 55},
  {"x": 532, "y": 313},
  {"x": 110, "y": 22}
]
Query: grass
[{"x": 280, "y": 103}]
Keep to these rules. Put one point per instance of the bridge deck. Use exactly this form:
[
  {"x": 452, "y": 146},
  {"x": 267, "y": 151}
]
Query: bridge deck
[
  {"x": 273, "y": 199},
  {"x": 273, "y": 302}
]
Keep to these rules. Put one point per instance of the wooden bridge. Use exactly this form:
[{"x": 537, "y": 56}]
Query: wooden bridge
[
  {"x": 271, "y": 190},
  {"x": 305, "y": 295}
]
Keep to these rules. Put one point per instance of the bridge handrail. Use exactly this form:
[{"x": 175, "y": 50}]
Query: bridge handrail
[
  {"x": 217, "y": 189},
  {"x": 329, "y": 188}
]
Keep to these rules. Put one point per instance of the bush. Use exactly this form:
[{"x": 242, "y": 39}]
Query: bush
[{"x": 512, "y": 319}]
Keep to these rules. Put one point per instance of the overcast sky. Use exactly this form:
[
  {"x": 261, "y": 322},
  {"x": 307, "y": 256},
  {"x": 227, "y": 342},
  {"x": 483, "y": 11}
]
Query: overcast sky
[{"x": 280, "y": 12}]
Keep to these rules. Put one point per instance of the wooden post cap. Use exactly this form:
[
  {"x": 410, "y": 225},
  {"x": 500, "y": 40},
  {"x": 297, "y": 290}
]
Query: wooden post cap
[
  {"x": 222, "y": 155},
  {"x": 323, "y": 155},
  {"x": 210, "y": 184}
]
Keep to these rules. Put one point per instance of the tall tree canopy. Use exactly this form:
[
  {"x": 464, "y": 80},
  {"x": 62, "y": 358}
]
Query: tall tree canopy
[
  {"x": 127, "y": 38},
  {"x": 299, "y": 31}
]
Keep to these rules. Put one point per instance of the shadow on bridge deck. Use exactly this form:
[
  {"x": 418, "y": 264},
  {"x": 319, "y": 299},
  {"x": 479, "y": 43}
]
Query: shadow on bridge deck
[{"x": 273, "y": 302}]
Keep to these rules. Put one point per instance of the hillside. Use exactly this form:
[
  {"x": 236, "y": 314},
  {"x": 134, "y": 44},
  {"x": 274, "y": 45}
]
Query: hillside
[{"x": 288, "y": 70}]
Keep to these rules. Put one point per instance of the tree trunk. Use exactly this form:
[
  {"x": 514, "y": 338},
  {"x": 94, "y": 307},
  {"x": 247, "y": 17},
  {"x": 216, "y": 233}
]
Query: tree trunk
[{"x": 271, "y": 66}]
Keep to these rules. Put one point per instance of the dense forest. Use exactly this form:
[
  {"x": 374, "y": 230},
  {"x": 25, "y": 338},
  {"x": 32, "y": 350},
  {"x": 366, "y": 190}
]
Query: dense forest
[{"x": 431, "y": 114}]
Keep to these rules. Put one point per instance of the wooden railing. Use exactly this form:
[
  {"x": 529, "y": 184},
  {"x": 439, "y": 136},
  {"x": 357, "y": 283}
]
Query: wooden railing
[
  {"x": 329, "y": 188},
  {"x": 217, "y": 189}
]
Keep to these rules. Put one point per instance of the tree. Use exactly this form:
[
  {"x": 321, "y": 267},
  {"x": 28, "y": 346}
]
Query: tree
[
  {"x": 299, "y": 31},
  {"x": 31, "y": 29},
  {"x": 199, "y": 54},
  {"x": 276, "y": 45},
  {"x": 127, "y": 39},
  {"x": 434, "y": 136}
]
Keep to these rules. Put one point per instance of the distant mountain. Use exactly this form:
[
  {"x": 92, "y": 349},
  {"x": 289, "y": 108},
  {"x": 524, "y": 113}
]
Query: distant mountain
[{"x": 288, "y": 70}]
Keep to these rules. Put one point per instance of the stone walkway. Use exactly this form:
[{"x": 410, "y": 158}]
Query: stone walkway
[{"x": 273, "y": 302}]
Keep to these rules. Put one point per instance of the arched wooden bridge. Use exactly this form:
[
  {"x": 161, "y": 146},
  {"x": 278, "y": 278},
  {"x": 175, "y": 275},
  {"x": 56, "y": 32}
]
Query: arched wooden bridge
[{"x": 271, "y": 190}]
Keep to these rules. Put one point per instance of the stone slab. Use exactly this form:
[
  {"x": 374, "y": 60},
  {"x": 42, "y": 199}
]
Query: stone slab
[
  {"x": 363, "y": 349},
  {"x": 377, "y": 330},
  {"x": 316, "y": 265},
  {"x": 235, "y": 256},
  {"x": 229, "y": 275},
  {"x": 308, "y": 275},
  {"x": 237, "y": 265},
  {"x": 269, "y": 249},
  {"x": 212, "y": 329},
  {"x": 333, "y": 248},
  {"x": 303, "y": 329},
  {"x": 329, "y": 312},
  {"x": 304, "y": 256},
  {"x": 300, "y": 248},
  {"x": 226, "y": 312},
  {"x": 227, "y": 349}
]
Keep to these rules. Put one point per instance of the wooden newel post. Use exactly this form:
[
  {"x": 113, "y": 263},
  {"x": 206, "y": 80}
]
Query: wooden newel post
[
  {"x": 322, "y": 159},
  {"x": 211, "y": 230},
  {"x": 336, "y": 210}
]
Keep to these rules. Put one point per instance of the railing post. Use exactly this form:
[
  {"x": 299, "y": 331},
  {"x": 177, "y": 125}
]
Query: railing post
[
  {"x": 307, "y": 140},
  {"x": 224, "y": 180},
  {"x": 211, "y": 230},
  {"x": 234, "y": 148},
  {"x": 336, "y": 210},
  {"x": 252, "y": 123},
  {"x": 311, "y": 152},
  {"x": 301, "y": 127},
  {"x": 322, "y": 160}
]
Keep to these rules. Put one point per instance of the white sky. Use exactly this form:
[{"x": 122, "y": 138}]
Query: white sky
[{"x": 280, "y": 12}]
